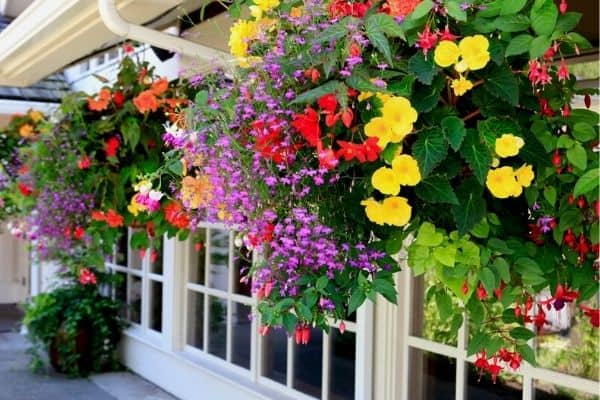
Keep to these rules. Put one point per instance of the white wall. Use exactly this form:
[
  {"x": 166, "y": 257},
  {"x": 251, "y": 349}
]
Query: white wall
[{"x": 14, "y": 269}]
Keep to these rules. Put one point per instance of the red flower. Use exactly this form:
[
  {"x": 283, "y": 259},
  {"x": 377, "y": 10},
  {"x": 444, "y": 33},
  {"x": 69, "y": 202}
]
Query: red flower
[
  {"x": 563, "y": 295},
  {"x": 535, "y": 234},
  {"x": 563, "y": 70},
  {"x": 159, "y": 86},
  {"x": 302, "y": 334},
  {"x": 100, "y": 102},
  {"x": 481, "y": 363},
  {"x": 327, "y": 157},
  {"x": 465, "y": 287},
  {"x": 308, "y": 126},
  {"x": 447, "y": 35},
  {"x": 481, "y": 293},
  {"x": 313, "y": 74},
  {"x": 347, "y": 117},
  {"x": 498, "y": 291},
  {"x": 494, "y": 369},
  {"x": 128, "y": 48},
  {"x": 24, "y": 189},
  {"x": 175, "y": 215},
  {"x": 79, "y": 233},
  {"x": 540, "y": 319},
  {"x": 111, "y": 146},
  {"x": 87, "y": 277},
  {"x": 367, "y": 151},
  {"x": 427, "y": 40},
  {"x": 582, "y": 247},
  {"x": 592, "y": 314},
  {"x": 562, "y": 7},
  {"x": 113, "y": 219},
  {"x": 118, "y": 99},
  {"x": 146, "y": 101},
  {"x": 342, "y": 8},
  {"x": 98, "y": 215},
  {"x": 328, "y": 103},
  {"x": 84, "y": 162}
]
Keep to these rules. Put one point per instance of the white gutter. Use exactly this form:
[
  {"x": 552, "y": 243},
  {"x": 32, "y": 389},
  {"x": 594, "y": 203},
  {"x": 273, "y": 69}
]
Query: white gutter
[{"x": 116, "y": 24}]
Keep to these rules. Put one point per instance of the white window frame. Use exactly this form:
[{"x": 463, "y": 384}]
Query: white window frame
[{"x": 528, "y": 372}]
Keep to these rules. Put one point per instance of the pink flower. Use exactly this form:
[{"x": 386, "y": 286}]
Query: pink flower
[
  {"x": 87, "y": 277},
  {"x": 563, "y": 70}
]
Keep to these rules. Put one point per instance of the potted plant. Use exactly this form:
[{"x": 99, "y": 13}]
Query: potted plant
[{"x": 77, "y": 325}]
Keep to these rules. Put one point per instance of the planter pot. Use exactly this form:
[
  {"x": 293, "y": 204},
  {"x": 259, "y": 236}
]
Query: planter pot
[{"x": 82, "y": 348}]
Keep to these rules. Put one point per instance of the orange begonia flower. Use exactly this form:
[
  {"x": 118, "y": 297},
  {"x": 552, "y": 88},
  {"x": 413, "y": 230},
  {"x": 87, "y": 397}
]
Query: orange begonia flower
[
  {"x": 26, "y": 131},
  {"x": 146, "y": 101},
  {"x": 160, "y": 86},
  {"x": 100, "y": 102}
]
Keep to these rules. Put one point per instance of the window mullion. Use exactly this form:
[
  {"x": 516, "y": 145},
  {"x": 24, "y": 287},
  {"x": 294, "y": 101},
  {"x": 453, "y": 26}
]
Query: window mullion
[
  {"x": 290, "y": 363},
  {"x": 461, "y": 362},
  {"x": 230, "y": 277},
  {"x": 325, "y": 370},
  {"x": 206, "y": 283}
]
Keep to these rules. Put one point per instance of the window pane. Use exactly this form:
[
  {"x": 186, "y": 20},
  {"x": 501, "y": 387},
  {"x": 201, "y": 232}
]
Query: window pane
[
  {"x": 308, "y": 364},
  {"x": 241, "y": 330},
  {"x": 197, "y": 254},
  {"x": 569, "y": 343},
  {"x": 426, "y": 321},
  {"x": 121, "y": 250},
  {"x": 156, "y": 260},
  {"x": 219, "y": 259},
  {"x": 135, "y": 299},
  {"x": 217, "y": 317},
  {"x": 507, "y": 387},
  {"x": 550, "y": 391},
  {"x": 432, "y": 376},
  {"x": 242, "y": 262},
  {"x": 136, "y": 258},
  {"x": 156, "y": 302},
  {"x": 274, "y": 357},
  {"x": 121, "y": 292},
  {"x": 195, "y": 320},
  {"x": 343, "y": 366}
]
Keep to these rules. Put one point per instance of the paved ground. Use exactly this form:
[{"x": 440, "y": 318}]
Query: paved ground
[{"x": 10, "y": 316}]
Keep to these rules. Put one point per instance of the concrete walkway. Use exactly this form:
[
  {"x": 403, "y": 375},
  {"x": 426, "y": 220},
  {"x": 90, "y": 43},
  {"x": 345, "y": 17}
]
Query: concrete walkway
[{"x": 17, "y": 382}]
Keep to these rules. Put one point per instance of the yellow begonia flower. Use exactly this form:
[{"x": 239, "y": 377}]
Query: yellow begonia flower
[
  {"x": 502, "y": 183},
  {"x": 262, "y": 6},
  {"x": 386, "y": 180},
  {"x": 461, "y": 66},
  {"x": 374, "y": 210},
  {"x": 397, "y": 211},
  {"x": 446, "y": 53},
  {"x": 143, "y": 186},
  {"x": 508, "y": 145},
  {"x": 36, "y": 116},
  {"x": 400, "y": 115},
  {"x": 525, "y": 175},
  {"x": 242, "y": 33},
  {"x": 134, "y": 207},
  {"x": 474, "y": 51},
  {"x": 379, "y": 128},
  {"x": 461, "y": 86},
  {"x": 407, "y": 170}
]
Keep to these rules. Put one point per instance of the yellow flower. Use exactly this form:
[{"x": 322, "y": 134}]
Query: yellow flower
[
  {"x": 502, "y": 183},
  {"x": 525, "y": 175},
  {"x": 397, "y": 211},
  {"x": 379, "y": 128},
  {"x": 36, "y": 116},
  {"x": 508, "y": 145},
  {"x": 364, "y": 95},
  {"x": 407, "y": 170},
  {"x": 461, "y": 86},
  {"x": 242, "y": 33},
  {"x": 143, "y": 186},
  {"x": 474, "y": 51},
  {"x": 374, "y": 210},
  {"x": 446, "y": 53},
  {"x": 262, "y": 6},
  {"x": 495, "y": 162},
  {"x": 386, "y": 180},
  {"x": 400, "y": 115},
  {"x": 134, "y": 207}
]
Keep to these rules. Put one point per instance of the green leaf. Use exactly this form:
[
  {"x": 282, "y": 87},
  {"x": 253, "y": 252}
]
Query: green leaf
[
  {"x": 519, "y": 44},
  {"x": 521, "y": 333},
  {"x": 390, "y": 152},
  {"x": 430, "y": 149},
  {"x": 334, "y": 32},
  {"x": 471, "y": 208},
  {"x": 539, "y": 45},
  {"x": 587, "y": 182},
  {"x": 579, "y": 40},
  {"x": 477, "y": 343},
  {"x": 322, "y": 282},
  {"x": 527, "y": 266},
  {"x": 454, "y": 129},
  {"x": 357, "y": 298},
  {"x": 304, "y": 311},
  {"x": 564, "y": 142},
  {"x": 476, "y": 311},
  {"x": 423, "y": 68},
  {"x": 130, "y": 129},
  {"x": 361, "y": 84},
  {"x": 436, "y": 189},
  {"x": 428, "y": 236},
  {"x": 568, "y": 21},
  {"x": 289, "y": 322},
  {"x": 419, "y": 259},
  {"x": 455, "y": 10},
  {"x": 403, "y": 87},
  {"x": 421, "y": 10},
  {"x": 285, "y": 304},
  {"x": 512, "y": 7},
  {"x": 386, "y": 24},
  {"x": 550, "y": 194},
  {"x": 533, "y": 152},
  {"x": 502, "y": 83},
  {"x": 385, "y": 287},
  {"x": 499, "y": 246},
  {"x": 444, "y": 305},
  {"x": 527, "y": 353},
  {"x": 583, "y": 115},
  {"x": 446, "y": 255},
  {"x": 477, "y": 154},
  {"x": 313, "y": 95},
  {"x": 543, "y": 17},
  {"x": 512, "y": 23},
  {"x": 584, "y": 132},
  {"x": 379, "y": 40},
  {"x": 577, "y": 156},
  {"x": 481, "y": 230},
  {"x": 501, "y": 269},
  {"x": 175, "y": 166},
  {"x": 201, "y": 98},
  {"x": 488, "y": 279}
]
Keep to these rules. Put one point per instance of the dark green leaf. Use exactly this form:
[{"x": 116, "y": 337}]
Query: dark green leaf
[
  {"x": 334, "y": 32},
  {"x": 322, "y": 282},
  {"x": 444, "y": 305},
  {"x": 421, "y": 10},
  {"x": 471, "y": 208},
  {"x": 423, "y": 68},
  {"x": 436, "y": 189},
  {"x": 454, "y": 129},
  {"x": 519, "y": 44},
  {"x": 584, "y": 132},
  {"x": 527, "y": 353},
  {"x": 587, "y": 182},
  {"x": 501, "y": 269},
  {"x": 357, "y": 298},
  {"x": 403, "y": 87},
  {"x": 568, "y": 21},
  {"x": 512, "y": 23},
  {"x": 386, "y": 288},
  {"x": 455, "y": 10},
  {"x": 361, "y": 84},
  {"x": 379, "y": 41},
  {"x": 521, "y": 333},
  {"x": 512, "y": 7},
  {"x": 577, "y": 156},
  {"x": 312, "y": 95},
  {"x": 430, "y": 149},
  {"x": 488, "y": 279},
  {"x": 477, "y": 154},
  {"x": 130, "y": 129},
  {"x": 539, "y": 45},
  {"x": 289, "y": 322},
  {"x": 526, "y": 266},
  {"x": 477, "y": 343},
  {"x": 385, "y": 23},
  {"x": 502, "y": 83}
]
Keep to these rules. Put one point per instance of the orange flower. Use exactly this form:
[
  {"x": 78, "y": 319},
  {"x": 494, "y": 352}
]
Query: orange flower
[
  {"x": 146, "y": 101},
  {"x": 100, "y": 102},
  {"x": 160, "y": 86},
  {"x": 26, "y": 131},
  {"x": 113, "y": 219},
  {"x": 400, "y": 8},
  {"x": 98, "y": 215}
]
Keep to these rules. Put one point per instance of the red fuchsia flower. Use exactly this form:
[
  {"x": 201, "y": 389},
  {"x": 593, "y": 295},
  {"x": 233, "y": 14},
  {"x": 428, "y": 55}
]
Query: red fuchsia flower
[
  {"x": 494, "y": 369},
  {"x": 150, "y": 229},
  {"x": 342, "y": 327},
  {"x": 592, "y": 314},
  {"x": 427, "y": 40},
  {"x": 128, "y": 48},
  {"x": 540, "y": 319},
  {"x": 563, "y": 71},
  {"x": 87, "y": 277},
  {"x": 481, "y": 363},
  {"x": 518, "y": 311},
  {"x": 84, "y": 162},
  {"x": 550, "y": 53},
  {"x": 538, "y": 73},
  {"x": 581, "y": 203},
  {"x": 308, "y": 126},
  {"x": 569, "y": 238},
  {"x": 566, "y": 111},
  {"x": 263, "y": 330},
  {"x": 481, "y": 293},
  {"x": 515, "y": 363},
  {"x": 447, "y": 35},
  {"x": 562, "y": 7},
  {"x": 24, "y": 189},
  {"x": 153, "y": 256},
  {"x": 582, "y": 247},
  {"x": 545, "y": 108},
  {"x": 111, "y": 146},
  {"x": 465, "y": 287},
  {"x": 118, "y": 99},
  {"x": 556, "y": 158},
  {"x": 302, "y": 334},
  {"x": 113, "y": 219},
  {"x": 198, "y": 246},
  {"x": 79, "y": 233},
  {"x": 564, "y": 295},
  {"x": 498, "y": 291},
  {"x": 587, "y": 100}
]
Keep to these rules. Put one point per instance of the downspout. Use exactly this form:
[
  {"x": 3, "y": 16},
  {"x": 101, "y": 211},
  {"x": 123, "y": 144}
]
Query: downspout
[{"x": 116, "y": 24}]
